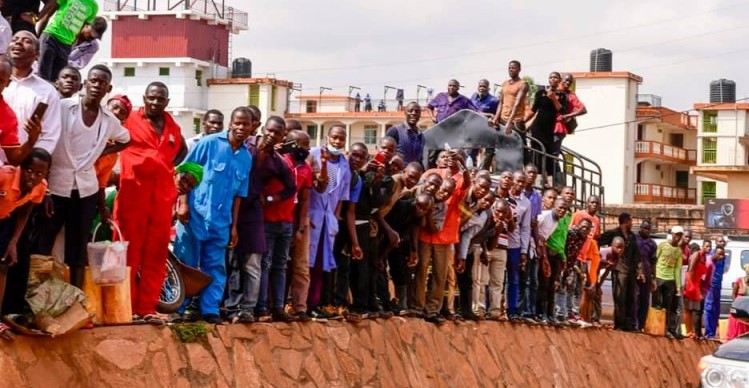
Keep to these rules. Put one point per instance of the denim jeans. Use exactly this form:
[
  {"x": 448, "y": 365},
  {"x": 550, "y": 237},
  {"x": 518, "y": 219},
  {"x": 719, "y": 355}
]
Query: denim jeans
[
  {"x": 244, "y": 281},
  {"x": 278, "y": 240},
  {"x": 53, "y": 56},
  {"x": 529, "y": 280},
  {"x": 513, "y": 280}
]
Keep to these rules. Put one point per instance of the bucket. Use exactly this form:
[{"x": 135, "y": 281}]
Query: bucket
[{"x": 108, "y": 259}]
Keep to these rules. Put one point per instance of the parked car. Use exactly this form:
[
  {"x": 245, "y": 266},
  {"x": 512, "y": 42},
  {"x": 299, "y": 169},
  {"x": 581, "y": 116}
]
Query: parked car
[{"x": 728, "y": 366}]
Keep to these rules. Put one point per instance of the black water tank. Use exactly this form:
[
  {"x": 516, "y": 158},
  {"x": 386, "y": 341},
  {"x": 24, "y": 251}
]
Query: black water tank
[
  {"x": 722, "y": 90},
  {"x": 241, "y": 68},
  {"x": 601, "y": 60}
]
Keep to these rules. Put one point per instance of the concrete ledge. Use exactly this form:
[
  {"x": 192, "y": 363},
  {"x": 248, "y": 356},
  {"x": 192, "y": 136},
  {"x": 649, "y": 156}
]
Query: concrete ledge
[{"x": 394, "y": 353}]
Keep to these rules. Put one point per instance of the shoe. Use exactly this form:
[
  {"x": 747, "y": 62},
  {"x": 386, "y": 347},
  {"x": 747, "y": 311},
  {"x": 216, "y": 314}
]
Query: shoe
[
  {"x": 353, "y": 317},
  {"x": 514, "y": 318},
  {"x": 279, "y": 315},
  {"x": 542, "y": 320},
  {"x": 213, "y": 319},
  {"x": 243, "y": 316},
  {"x": 318, "y": 316},
  {"x": 669, "y": 335},
  {"x": 137, "y": 319},
  {"x": 154, "y": 319},
  {"x": 473, "y": 317},
  {"x": 301, "y": 316},
  {"x": 386, "y": 314},
  {"x": 192, "y": 316},
  {"x": 529, "y": 320},
  {"x": 263, "y": 316},
  {"x": 496, "y": 318},
  {"x": 436, "y": 319},
  {"x": 678, "y": 336},
  {"x": 411, "y": 313},
  {"x": 175, "y": 318}
]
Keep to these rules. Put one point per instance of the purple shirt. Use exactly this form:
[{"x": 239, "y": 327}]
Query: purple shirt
[
  {"x": 445, "y": 108},
  {"x": 535, "y": 197},
  {"x": 250, "y": 223},
  {"x": 410, "y": 142},
  {"x": 647, "y": 255},
  {"x": 485, "y": 104}
]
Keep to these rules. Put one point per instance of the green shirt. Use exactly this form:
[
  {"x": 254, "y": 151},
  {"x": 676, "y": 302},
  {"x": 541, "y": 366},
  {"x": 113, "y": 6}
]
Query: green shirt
[
  {"x": 558, "y": 239},
  {"x": 668, "y": 266},
  {"x": 67, "y": 22}
]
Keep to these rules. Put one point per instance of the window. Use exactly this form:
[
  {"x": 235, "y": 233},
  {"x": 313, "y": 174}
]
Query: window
[
  {"x": 311, "y": 106},
  {"x": 640, "y": 132},
  {"x": 254, "y": 95},
  {"x": 709, "y": 150},
  {"x": 129, "y": 72},
  {"x": 709, "y": 121},
  {"x": 370, "y": 134},
  {"x": 682, "y": 179},
  {"x": 196, "y": 121},
  {"x": 199, "y": 77},
  {"x": 708, "y": 190},
  {"x": 273, "y": 91},
  {"x": 164, "y": 71},
  {"x": 312, "y": 131},
  {"x": 744, "y": 259},
  {"x": 677, "y": 140}
]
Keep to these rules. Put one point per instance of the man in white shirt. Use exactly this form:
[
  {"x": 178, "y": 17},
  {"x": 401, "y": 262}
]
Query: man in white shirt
[
  {"x": 86, "y": 129},
  {"x": 27, "y": 90},
  {"x": 213, "y": 122}
]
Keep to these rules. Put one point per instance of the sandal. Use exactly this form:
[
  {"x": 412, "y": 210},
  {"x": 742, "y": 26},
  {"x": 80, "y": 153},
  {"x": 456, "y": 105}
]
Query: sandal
[
  {"x": 6, "y": 333},
  {"x": 154, "y": 319}
]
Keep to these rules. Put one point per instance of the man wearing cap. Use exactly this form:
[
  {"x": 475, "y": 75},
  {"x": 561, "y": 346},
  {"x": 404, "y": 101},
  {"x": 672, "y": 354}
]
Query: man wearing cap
[
  {"x": 667, "y": 283},
  {"x": 625, "y": 274}
]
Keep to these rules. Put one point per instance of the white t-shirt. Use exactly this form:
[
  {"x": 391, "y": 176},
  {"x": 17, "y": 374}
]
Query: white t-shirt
[{"x": 546, "y": 224}]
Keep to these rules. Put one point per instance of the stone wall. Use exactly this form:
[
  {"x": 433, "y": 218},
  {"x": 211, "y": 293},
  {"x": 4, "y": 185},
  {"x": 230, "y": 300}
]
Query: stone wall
[
  {"x": 663, "y": 216},
  {"x": 394, "y": 353}
]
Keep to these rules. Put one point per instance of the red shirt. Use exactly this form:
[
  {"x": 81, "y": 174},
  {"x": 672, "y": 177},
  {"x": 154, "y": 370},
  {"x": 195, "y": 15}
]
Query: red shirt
[
  {"x": 150, "y": 157},
  {"x": 8, "y": 125},
  {"x": 283, "y": 211},
  {"x": 451, "y": 228}
]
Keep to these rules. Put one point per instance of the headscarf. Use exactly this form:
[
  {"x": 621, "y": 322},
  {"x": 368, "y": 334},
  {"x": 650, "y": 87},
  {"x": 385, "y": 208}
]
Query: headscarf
[
  {"x": 191, "y": 168},
  {"x": 124, "y": 100}
]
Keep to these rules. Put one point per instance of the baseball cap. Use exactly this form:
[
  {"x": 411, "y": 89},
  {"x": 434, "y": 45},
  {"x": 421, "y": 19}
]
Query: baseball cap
[{"x": 677, "y": 229}]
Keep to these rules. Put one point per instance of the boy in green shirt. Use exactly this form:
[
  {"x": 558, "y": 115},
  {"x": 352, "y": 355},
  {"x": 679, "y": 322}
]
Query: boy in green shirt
[
  {"x": 59, "y": 23},
  {"x": 668, "y": 279}
]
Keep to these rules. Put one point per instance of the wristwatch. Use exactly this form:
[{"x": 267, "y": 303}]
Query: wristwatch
[{"x": 269, "y": 198}]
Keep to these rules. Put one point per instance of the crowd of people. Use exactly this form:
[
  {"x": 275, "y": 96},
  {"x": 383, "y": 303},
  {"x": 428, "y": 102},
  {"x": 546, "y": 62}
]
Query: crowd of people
[{"x": 289, "y": 232}]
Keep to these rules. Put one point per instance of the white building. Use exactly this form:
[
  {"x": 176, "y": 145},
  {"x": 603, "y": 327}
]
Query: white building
[{"x": 722, "y": 141}]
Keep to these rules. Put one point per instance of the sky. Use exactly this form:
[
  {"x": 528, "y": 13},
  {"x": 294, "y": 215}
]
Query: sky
[{"x": 677, "y": 46}]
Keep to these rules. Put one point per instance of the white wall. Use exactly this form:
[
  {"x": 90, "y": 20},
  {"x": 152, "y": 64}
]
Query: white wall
[
  {"x": 227, "y": 97},
  {"x": 731, "y": 125},
  {"x": 610, "y": 143}
]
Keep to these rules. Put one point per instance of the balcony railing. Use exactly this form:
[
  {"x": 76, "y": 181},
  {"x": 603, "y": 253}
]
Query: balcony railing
[
  {"x": 709, "y": 156},
  {"x": 665, "y": 152},
  {"x": 652, "y": 193}
]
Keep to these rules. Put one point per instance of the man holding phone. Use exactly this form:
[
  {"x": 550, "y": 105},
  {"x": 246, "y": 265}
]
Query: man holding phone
[{"x": 35, "y": 101}]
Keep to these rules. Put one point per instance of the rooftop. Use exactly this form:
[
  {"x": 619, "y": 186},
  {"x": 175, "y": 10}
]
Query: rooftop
[
  {"x": 214, "y": 11},
  {"x": 250, "y": 81},
  {"x": 723, "y": 106},
  {"x": 666, "y": 115},
  {"x": 607, "y": 74}
]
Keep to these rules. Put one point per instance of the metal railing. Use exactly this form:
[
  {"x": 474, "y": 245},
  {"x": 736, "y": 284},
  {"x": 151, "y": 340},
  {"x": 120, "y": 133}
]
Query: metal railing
[
  {"x": 212, "y": 8},
  {"x": 709, "y": 156},
  {"x": 325, "y": 105}
]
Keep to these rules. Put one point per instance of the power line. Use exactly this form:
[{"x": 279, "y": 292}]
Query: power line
[{"x": 535, "y": 44}]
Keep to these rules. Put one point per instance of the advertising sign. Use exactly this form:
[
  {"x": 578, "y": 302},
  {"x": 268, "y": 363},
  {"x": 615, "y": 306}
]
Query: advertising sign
[{"x": 727, "y": 213}]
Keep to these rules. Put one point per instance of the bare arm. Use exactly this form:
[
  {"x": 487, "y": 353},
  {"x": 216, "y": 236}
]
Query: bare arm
[
  {"x": 234, "y": 237},
  {"x": 498, "y": 113},
  {"x": 117, "y": 147},
  {"x": 10, "y": 256},
  {"x": 49, "y": 9},
  {"x": 182, "y": 151},
  {"x": 351, "y": 225}
]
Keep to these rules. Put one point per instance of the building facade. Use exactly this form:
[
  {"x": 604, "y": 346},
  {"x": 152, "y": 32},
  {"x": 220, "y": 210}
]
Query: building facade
[{"x": 722, "y": 167}]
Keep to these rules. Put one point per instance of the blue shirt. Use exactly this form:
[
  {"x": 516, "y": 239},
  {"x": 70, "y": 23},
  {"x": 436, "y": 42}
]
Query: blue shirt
[
  {"x": 445, "y": 108},
  {"x": 356, "y": 190},
  {"x": 410, "y": 142},
  {"x": 535, "y": 197},
  {"x": 225, "y": 176},
  {"x": 486, "y": 104}
]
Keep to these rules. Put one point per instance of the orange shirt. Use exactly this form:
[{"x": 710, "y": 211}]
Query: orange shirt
[
  {"x": 589, "y": 251},
  {"x": 104, "y": 166},
  {"x": 450, "y": 233},
  {"x": 10, "y": 191}
]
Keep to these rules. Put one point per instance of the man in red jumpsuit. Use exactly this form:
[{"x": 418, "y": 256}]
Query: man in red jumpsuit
[{"x": 143, "y": 209}]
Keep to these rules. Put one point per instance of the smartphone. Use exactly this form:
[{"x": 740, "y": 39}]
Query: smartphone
[
  {"x": 287, "y": 147},
  {"x": 41, "y": 108},
  {"x": 380, "y": 158}
]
